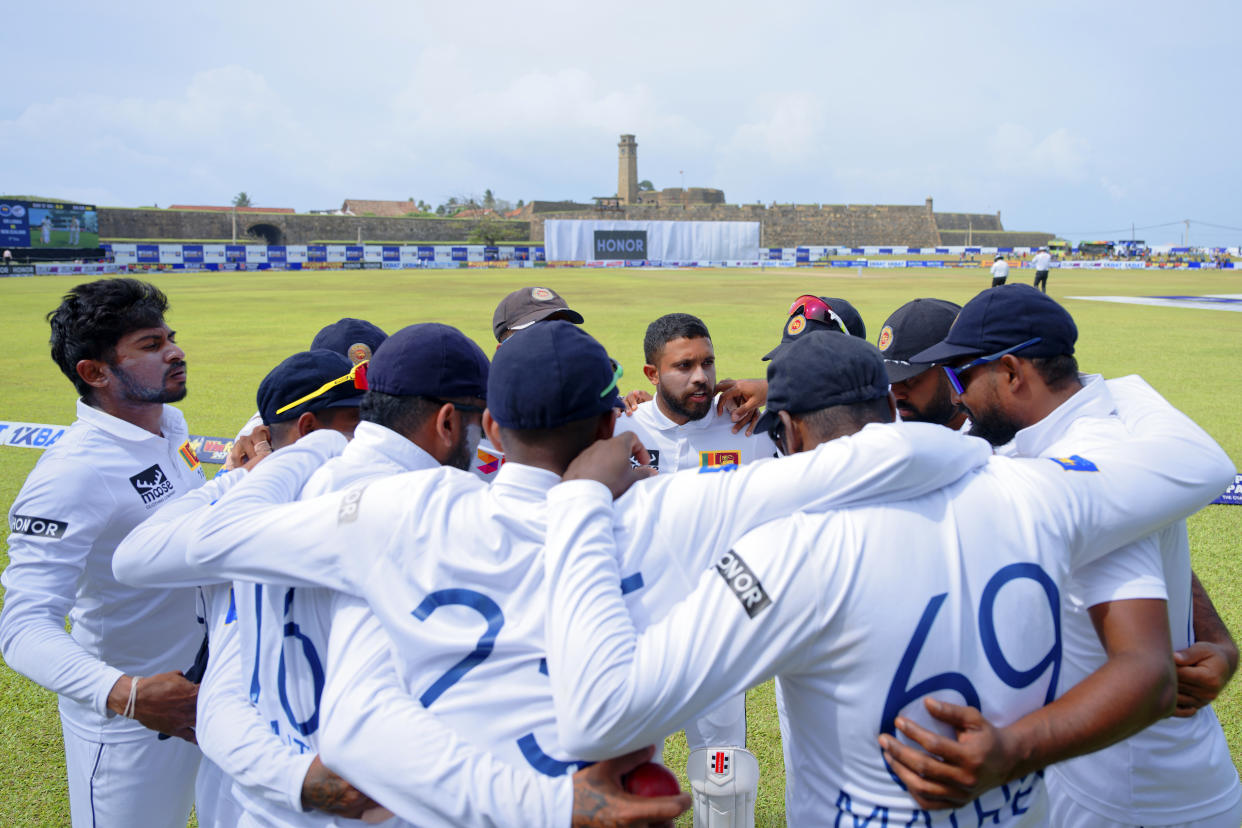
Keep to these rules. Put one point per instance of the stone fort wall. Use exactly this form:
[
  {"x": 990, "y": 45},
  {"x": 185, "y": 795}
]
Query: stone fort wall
[{"x": 118, "y": 223}]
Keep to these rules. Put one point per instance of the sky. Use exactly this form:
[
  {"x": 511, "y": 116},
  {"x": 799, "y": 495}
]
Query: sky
[{"x": 1081, "y": 119}]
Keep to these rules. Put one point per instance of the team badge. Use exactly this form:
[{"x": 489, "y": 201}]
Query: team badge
[
  {"x": 187, "y": 454},
  {"x": 796, "y": 325},
  {"x": 719, "y": 459},
  {"x": 886, "y": 337},
  {"x": 359, "y": 352},
  {"x": 540, "y": 294},
  {"x": 1075, "y": 463}
]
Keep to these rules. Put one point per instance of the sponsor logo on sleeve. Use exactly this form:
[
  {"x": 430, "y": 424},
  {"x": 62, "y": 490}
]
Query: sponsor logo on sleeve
[
  {"x": 488, "y": 463},
  {"x": 37, "y": 527},
  {"x": 1075, "y": 463},
  {"x": 152, "y": 485},
  {"x": 348, "y": 512},
  {"x": 743, "y": 583}
]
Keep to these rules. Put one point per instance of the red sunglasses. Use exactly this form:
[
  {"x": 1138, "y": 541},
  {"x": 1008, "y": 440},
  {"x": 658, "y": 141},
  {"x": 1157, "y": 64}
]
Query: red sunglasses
[{"x": 817, "y": 309}]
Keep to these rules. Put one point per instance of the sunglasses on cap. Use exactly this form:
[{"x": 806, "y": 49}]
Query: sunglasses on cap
[
  {"x": 814, "y": 308},
  {"x": 955, "y": 374},
  {"x": 357, "y": 375}
]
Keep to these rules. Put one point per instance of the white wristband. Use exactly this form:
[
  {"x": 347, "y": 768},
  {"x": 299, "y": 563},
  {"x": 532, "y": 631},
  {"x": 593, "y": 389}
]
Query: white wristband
[{"x": 129, "y": 710}]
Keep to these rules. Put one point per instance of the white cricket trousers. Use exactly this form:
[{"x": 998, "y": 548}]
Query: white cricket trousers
[
  {"x": 723, "y": 727},
  {"x": 146, "y": 782}
]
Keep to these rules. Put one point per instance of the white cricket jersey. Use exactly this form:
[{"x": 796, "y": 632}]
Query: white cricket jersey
[
  {"x": 709, "y": 441},
  {"x": 1000, "y": 269},
  {"x": 1042, "y": 260},
  {"x": 88, "y": 490},
  {"x": 1178, "y": 769},
  {"x": 862, "y": 612},
  {"x": 444, "y": 783},
  {"x": 234, "y": 738},
  {"x": 453, "y": 568}
]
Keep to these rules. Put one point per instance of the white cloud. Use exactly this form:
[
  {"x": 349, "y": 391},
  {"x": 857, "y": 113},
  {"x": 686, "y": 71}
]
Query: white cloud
[{"x": 1017, "y": 150}]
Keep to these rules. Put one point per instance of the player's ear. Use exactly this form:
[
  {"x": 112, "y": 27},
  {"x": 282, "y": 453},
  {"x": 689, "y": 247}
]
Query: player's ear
[
  {"x": 492, "y": 429},
  {"x": 446, "y": 429},
  {"x": 652, "y": 373},
  {"x": 607, "y": 424},
  {"x": 307, "y": 423},
  {"x": 93, "y": 372},
  {"x": 1012, "y": 372},
  {"x": 793, "y": 433}
]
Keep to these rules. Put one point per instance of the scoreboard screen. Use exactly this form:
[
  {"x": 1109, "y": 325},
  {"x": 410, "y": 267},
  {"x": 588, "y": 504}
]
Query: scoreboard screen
[{"x": 26, "y": 223}]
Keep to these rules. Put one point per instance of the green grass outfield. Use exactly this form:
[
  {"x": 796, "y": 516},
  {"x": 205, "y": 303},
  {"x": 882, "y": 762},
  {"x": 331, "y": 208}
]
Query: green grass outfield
[{"x": 235, "y": 327}]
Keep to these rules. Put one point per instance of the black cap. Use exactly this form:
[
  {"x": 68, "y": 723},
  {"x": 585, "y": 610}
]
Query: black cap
[
  {"x": 798, "y": 323},
  {"x": 915, "y": 326},
  {"x": 354, "y": 338},
  {"x": 429, "y": 360},
  {"x": 549, "y": 375},
  {"x": 528, "y": 305},
  {"x": 307, "y": 378},
  {"x": 822, "y": 369},
  {"x": 1002, "y": 317}
]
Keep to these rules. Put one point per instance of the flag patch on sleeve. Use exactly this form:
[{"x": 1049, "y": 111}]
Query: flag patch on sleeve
[
  {"x": 187, "y": 454},
  {"x": 719, "y": 459},
  {"x": 1075, "y": 463}
]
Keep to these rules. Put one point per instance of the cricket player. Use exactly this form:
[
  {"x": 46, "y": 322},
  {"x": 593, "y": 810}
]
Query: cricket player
[
  {"x": 1041, "y": 262},
  {"x": 517, "y": 312},
  {"x": 45, "y": 229},
  {"x": 1032, "y": 402},
  {"x": 683, "y": 427},
  {"x": 452, "y": 568},
  {"x": 117, "y": 670},
  {"x": 1000, "y": 270},
  {"x": 819, "y": 313},
  {"x": 861, "y": 613},
  {"x": 922, "y": 392}
]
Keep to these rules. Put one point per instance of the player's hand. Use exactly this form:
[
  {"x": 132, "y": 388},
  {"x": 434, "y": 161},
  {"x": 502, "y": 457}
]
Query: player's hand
[
  {"x": 743, "y": 399},
  {"x": 634, "y": 399},
  {"x": 166, "y": 702},
  {"x": 324, "y": 790},
  {"x": 1203, "y": 670},
  {"x": 249, "y": 449},
  {"x": 953, "y": 771},
  {"x": 601, "y": 802},
  {"x": 613, "y": 463}
]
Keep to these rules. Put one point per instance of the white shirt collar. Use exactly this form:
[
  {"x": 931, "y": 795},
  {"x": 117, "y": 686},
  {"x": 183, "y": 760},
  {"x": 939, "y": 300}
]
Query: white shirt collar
[
  {"x": 661, "y": 422},
  {"x": 372, "y": 438},
  {"x": 1092, "y": 400},
  {"x": 524, "y": 481},
  {"x": 172, "y": 424}
]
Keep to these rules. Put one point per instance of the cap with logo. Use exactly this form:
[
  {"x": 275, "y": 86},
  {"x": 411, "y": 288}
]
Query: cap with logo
[
  {"x": 429, "y": 360},
  {"x": 915, "y": 326},
  {"x": 826, "y": 313},
  {"x": 525, "y": 306},
  {"x": 308, "y": 381},
  {"x": 820, "y": 370},
  {"x": 1002, "y": 317},
  {"x": 354, "y": 338},
  {"x": 549, "y": 375}
]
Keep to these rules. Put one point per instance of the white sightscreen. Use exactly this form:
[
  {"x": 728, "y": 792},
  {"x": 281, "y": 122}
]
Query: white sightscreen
[{"x": 668, "y": 241}]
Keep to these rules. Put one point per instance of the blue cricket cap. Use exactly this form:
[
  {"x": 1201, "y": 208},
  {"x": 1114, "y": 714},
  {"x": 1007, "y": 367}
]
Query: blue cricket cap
[
  {"x": 429, "y": 360},
  {"x": 307, "y": 381},
  {"x": 1002, "y": 317},
  {"x": 354, "y": 338},
  {"x": 821, "y": 369},
  {"x": 551, "y": 374}
]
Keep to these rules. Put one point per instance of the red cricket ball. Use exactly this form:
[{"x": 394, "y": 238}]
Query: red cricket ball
[{"x": 650, "y": 779}]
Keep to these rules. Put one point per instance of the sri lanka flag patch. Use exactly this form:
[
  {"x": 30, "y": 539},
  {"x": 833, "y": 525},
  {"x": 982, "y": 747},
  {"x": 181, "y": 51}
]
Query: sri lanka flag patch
[
  {"x": 719, "y": 460},
  {"x": 1075, "y": 463},
  {"x": 187, "y": 454}
]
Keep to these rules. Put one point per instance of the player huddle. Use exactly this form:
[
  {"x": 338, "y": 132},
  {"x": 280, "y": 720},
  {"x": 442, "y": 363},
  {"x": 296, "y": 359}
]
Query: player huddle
[{"x": 431, "y": 588}]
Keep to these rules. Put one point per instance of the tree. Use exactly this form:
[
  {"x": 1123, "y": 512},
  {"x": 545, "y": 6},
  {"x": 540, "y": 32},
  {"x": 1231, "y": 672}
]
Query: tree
[
  {"x": 646, "y": 185},
  {"x": 489, "y": 200},
  {"x": 241, "y": 199},
  {"x": 521, "y": 203},
  {"x": 489, "y": 230}
]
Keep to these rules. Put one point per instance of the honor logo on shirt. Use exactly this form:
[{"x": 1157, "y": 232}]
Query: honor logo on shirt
[
  {"x": 742, "y": 581},
  {"x": 37, "y": 526},
  {"x": 152, "y": 485}
]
